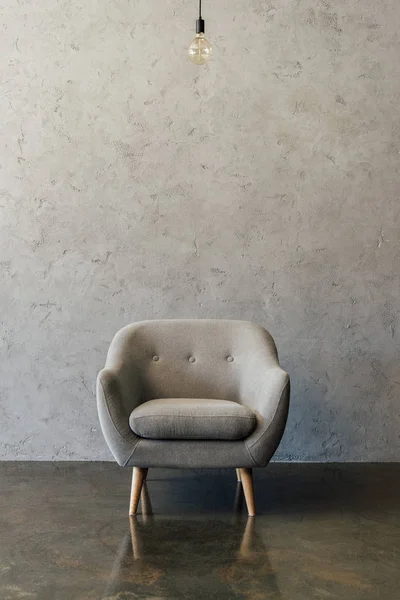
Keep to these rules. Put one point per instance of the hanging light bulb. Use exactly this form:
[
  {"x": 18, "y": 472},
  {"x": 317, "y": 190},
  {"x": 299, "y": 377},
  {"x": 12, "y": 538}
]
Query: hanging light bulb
[{"x": 200, "y": 50}]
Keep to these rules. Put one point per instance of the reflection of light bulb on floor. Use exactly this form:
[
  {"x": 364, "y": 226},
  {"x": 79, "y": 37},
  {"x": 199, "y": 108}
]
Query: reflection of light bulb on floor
[{"x": 200, "y": 50}]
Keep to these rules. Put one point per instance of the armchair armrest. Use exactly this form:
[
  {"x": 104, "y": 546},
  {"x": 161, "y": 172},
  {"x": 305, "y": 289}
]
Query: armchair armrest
[
  {"x": 269, "y": 398},
  {"x": 114, "y": 417}
]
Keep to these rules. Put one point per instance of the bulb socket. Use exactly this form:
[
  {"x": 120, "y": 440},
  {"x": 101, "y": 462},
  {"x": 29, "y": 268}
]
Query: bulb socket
[{"x": 200, "y": 26}]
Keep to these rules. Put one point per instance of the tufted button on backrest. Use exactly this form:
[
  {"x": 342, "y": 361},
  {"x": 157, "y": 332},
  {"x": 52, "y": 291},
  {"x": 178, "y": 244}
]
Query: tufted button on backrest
[
  {"x": 229, "y": 358},
  {"x": 192, "y": 359},
  {"x": 156, "y": 358}
]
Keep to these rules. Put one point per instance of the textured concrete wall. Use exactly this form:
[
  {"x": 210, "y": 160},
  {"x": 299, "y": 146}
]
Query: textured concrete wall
[{"x": 134, "y": 184}]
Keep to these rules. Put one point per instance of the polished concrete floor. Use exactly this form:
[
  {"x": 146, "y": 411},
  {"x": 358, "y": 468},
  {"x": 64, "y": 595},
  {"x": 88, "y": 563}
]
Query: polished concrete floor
[{"x": 321, "y": 532}]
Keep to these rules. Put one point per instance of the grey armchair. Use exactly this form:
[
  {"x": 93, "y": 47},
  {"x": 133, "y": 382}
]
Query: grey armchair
[{"x": 192, "y": 393}]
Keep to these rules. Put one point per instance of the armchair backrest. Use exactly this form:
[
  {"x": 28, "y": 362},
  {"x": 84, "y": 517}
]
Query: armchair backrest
[{"x": 191, "y": 358}]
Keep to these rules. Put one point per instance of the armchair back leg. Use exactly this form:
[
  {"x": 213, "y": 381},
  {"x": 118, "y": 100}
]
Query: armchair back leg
[
  {"x": 138, "y": 477},
  {"x": 246, "y": 476}
]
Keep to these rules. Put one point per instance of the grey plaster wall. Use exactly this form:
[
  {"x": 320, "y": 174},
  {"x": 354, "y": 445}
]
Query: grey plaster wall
[{"x": 135, "y": 185}]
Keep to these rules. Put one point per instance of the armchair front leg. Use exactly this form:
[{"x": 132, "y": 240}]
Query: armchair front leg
[
  {"x": 138, "y": 478},
  {"x": 246, "y": 476}
]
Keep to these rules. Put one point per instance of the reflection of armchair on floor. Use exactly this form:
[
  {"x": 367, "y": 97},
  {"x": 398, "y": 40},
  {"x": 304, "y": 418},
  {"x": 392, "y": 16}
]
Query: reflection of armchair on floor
[{"x": 192, "y": 558}]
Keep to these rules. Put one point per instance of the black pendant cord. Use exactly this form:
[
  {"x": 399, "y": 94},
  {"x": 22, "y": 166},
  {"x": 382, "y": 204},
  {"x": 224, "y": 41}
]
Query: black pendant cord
[{"x": 200, "y": 25}]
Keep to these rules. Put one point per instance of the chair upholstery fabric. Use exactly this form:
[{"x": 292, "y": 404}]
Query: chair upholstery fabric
[
  {"x": 200, "y": 359},
  {"x": 192, "y": 419}
]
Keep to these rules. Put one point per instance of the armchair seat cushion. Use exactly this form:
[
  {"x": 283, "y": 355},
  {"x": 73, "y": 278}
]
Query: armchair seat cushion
[{"x": 192, "y": 419}]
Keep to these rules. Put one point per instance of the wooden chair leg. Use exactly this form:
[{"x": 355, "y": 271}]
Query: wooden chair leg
[
  {"x": 138, "y": 477},
  {"x": 246, "y": 476},
  {"x": 145, "y": 504},
  {"x": 238, "y": 474}
]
